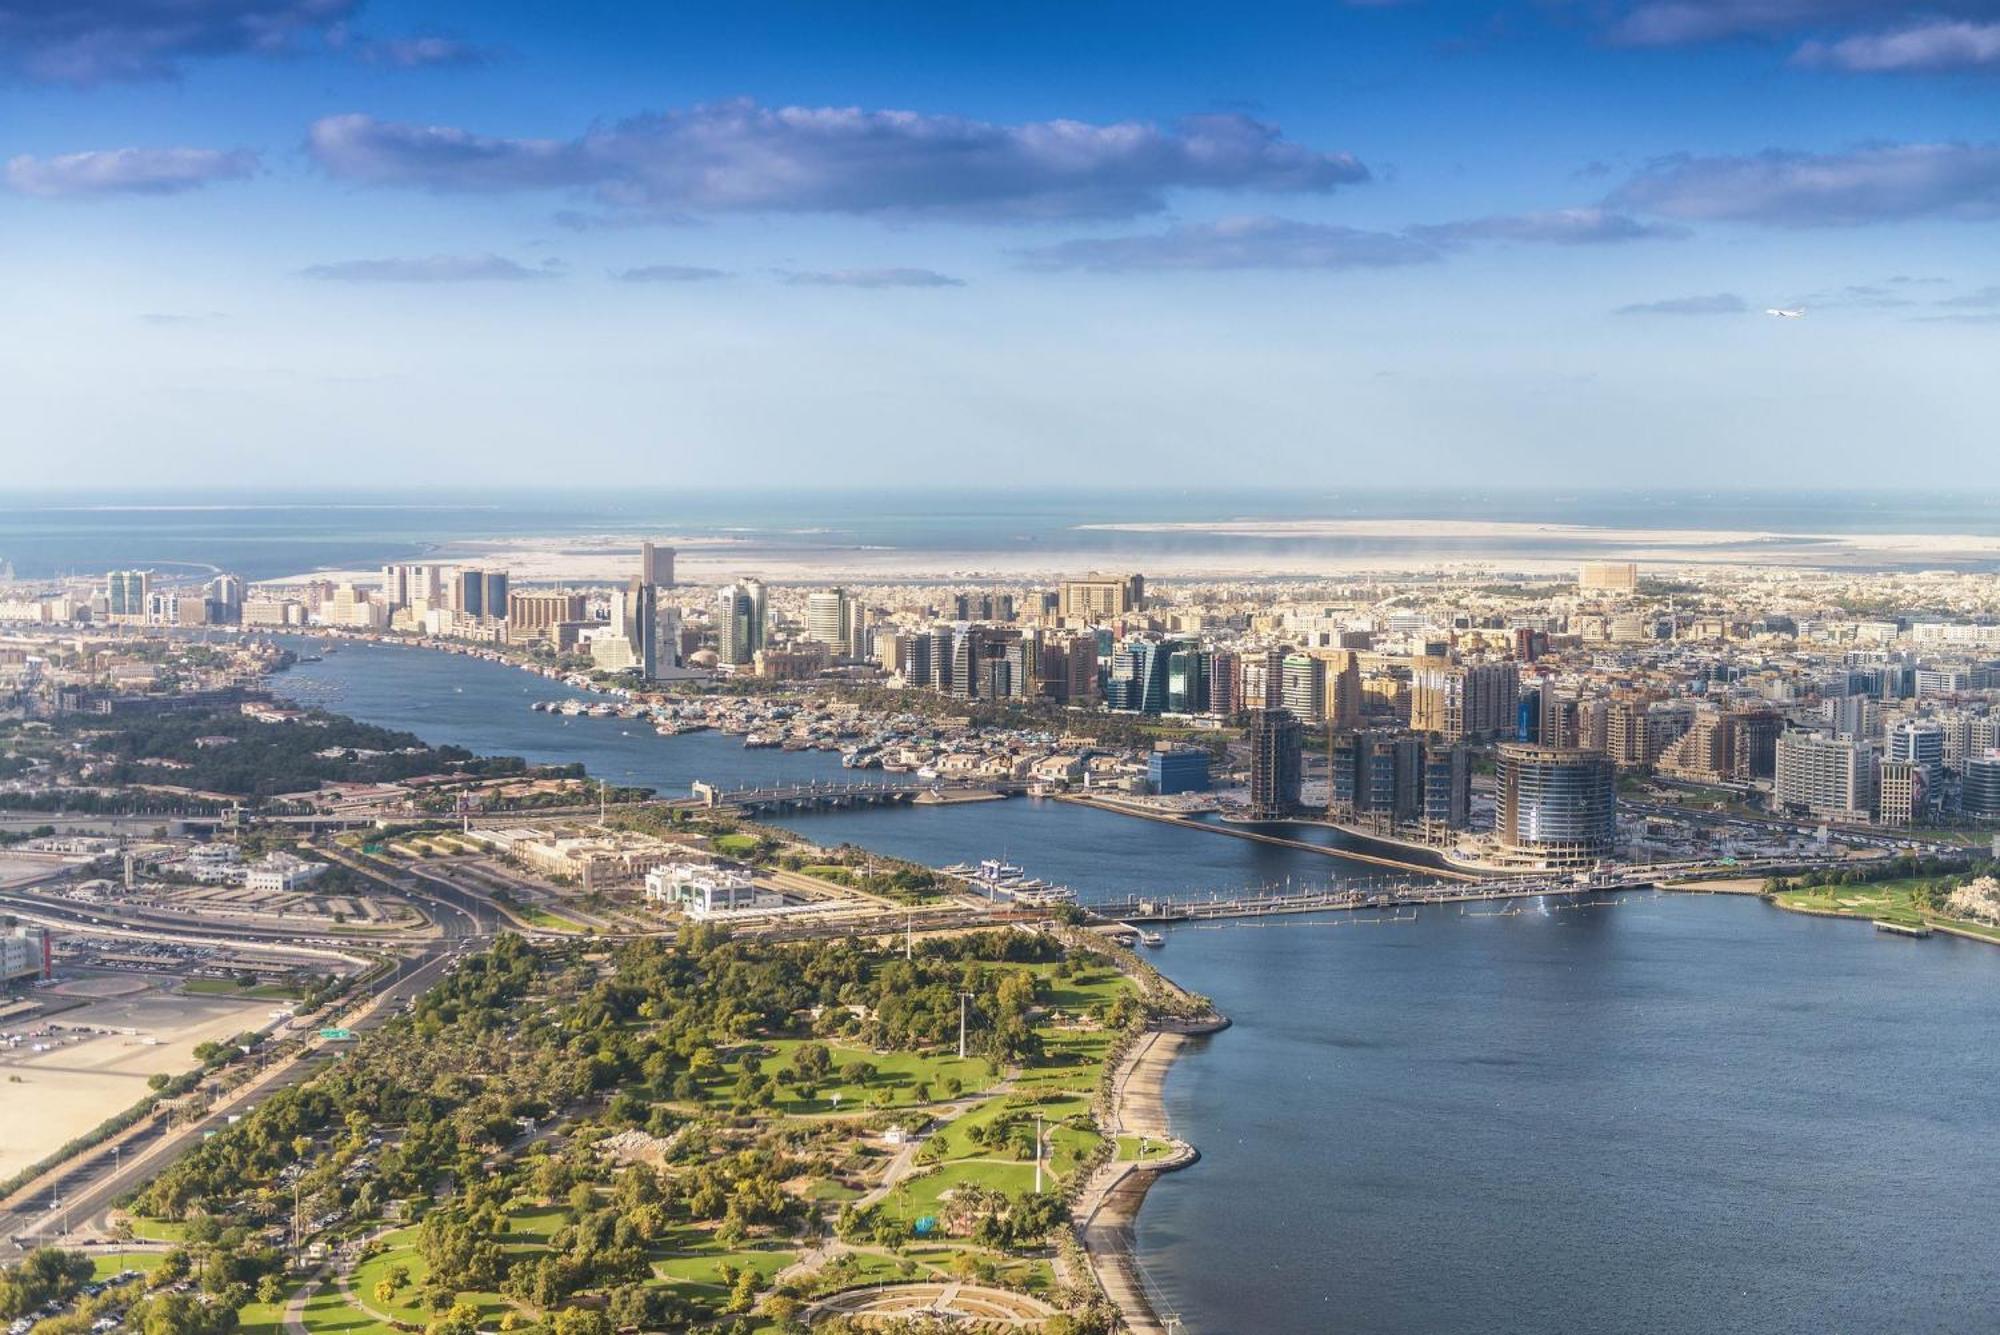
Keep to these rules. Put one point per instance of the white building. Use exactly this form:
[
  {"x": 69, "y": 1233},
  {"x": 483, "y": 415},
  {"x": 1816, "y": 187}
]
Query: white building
[
  {"x": 703, "y": 890},
  {"x": 1825, "y": 776},
  {"x": 279, "y": 872},
  {"x": 24, "y": 953}
]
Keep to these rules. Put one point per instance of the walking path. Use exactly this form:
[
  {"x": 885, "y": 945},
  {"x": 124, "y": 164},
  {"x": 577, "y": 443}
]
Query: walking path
[
  {"x": 295, "y": 1307},
  {"x": 1105, "y": 1211}
]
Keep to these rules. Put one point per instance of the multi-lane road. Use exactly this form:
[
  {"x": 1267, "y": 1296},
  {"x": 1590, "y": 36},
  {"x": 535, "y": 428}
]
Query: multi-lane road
[{"x": 94, "y": 1181}]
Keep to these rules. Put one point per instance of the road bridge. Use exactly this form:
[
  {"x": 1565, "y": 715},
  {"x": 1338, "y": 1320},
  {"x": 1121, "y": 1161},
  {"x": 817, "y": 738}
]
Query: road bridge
[
  {"x": 822, "y": 795},
  {"x": 1267, "y": 900}
]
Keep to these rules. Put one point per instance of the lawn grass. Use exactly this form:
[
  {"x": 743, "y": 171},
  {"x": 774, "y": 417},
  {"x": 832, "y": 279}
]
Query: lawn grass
[
  {"x": 827, "y": 1190},
  {"x": 733, "y": 845},
  {"x": 537, "y": 916},
  {"x": 263, "y": 1318},
  {"x": 1881, "y": 901},
  {"x": 701, "y": 1272},
  {"x": 407, "y": 1304},
  {"x": 897, "y": 1074},
  {"x": 1128, "y": 1149},
  {"x": 329, "y": 1313},
  {"x": 531, "y": 1226},
  {"x": 158, "y": 1230},
  {"x": 1010, "y": 1177},
  {"x": 106, "y": 1264}
]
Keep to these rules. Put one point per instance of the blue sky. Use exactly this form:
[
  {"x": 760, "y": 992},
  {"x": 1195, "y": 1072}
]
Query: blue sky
[{"x": 327, "y": 241}]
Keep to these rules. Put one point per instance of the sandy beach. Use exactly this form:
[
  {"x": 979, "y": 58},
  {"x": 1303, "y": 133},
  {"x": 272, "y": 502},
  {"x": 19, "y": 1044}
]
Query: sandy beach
[{"x": 1110, "y": 1205}]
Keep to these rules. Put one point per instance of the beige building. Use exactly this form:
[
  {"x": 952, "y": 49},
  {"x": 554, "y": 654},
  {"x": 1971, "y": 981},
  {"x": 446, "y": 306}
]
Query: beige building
[
  {"x": 533, "y": 615},
  {"x": 1608, "y": 577},
  {"x": 1099, "y": 596}
]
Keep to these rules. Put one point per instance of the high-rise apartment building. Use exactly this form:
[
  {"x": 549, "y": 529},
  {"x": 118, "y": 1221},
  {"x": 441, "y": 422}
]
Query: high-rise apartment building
[
  {"x": 1979, "y": 793},
  {"x": 1706, "y": 752},
  {"x": 760, "y": 614},
  {"x": 126, "y": 593},
  {"x": 1395, "y": 782},
  {"x": 1187, "y": 680},
  {"x": 1608, "y": 577},
  {"x": 1138, "y": 680},
  {"x": 1626, "y": 735},
  {"x": 1901, "y": 792},
  {"x": 735, "y": 638},
  {"x": 829, "y": 619},
  {"x": 225, "y": 598},
  {"x": 1100, "y": 596},
  {"x": 1555, "y": 807},
  {"x": 1818, "y": 775},
  {"x": 1225, "y": 682},
  {"x": 1276, "y": 742},
  {"x": 1920, "y": 741},
  {"x": 1464, "y": 701},
  {"x": 656, "y": 565},
  {"x": 1343, "y": 687},
  {"x": 1302, "y": 687}
]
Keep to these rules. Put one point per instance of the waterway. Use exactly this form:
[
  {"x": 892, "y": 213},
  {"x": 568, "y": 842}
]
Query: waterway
[
  {"x": 1676, "y": 1114},
  {"x": 1671, "y": 1114},
  {"x": 484, "y": 706}
]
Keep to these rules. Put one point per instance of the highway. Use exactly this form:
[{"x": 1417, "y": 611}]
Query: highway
[{"x": 96, "y": 1180}]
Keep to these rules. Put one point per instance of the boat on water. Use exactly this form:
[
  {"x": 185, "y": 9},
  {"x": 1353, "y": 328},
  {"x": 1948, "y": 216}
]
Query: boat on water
[
  {"x": 757, "y": 741},
  {"x": 1153, "y": 939},
  {"x": 1001, "y": 879}
]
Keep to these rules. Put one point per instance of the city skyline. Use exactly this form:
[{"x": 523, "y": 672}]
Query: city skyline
[{"x": 307, "y": 242}]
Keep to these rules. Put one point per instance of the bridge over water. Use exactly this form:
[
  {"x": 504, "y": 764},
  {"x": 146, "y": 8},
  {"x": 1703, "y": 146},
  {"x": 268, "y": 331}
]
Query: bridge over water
[
  {"x": 826, "y": 794},
  {"x": 1408, "y": 893}
]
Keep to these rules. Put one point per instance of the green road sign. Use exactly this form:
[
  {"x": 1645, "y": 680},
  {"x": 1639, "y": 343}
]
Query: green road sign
[{"x": 336, "y": 1035}]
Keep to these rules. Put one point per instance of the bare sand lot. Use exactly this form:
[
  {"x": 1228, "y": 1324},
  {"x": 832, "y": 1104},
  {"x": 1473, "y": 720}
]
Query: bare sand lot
[{"x": 49, "y": 1097}]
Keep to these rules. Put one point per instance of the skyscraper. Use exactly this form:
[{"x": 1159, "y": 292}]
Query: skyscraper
[
  {"x": 735, "y": 612},
  {"x": 225, "y": 597},
  {"x": 493, "y": 593},
  {"x": 1556, "y": 807},
  {"x": 1981, "y": 791},
  {"x": 126, "y": 592},
  {"x": 829, "y": 619},
  {"x": 1276, "y": 763},
  {"x": 635, "y": 611},
  {"x": 1225, "y": 682},
  {"x": 1139, "y": 679},
  {"x": 656, "y": 565},
  {"x": 1466, "y": 701},
  {"x": 1608, "y": 577},
  {"x": 1100, "y": 596},
  {"x": 760, "y": 615},
  {"x": 1302, "y": 687}
]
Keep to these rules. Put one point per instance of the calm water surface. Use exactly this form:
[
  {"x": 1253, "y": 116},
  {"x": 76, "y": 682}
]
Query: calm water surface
[
  {"x": 1677, "y": 1114},
  {"x": 485, "y": 706}
]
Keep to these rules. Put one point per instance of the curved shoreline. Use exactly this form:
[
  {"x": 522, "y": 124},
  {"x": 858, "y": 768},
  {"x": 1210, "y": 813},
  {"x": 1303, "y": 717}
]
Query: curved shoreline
[
  {"x": 1947, "y": 926},
  {"x": 1111, "y": 1203}
]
